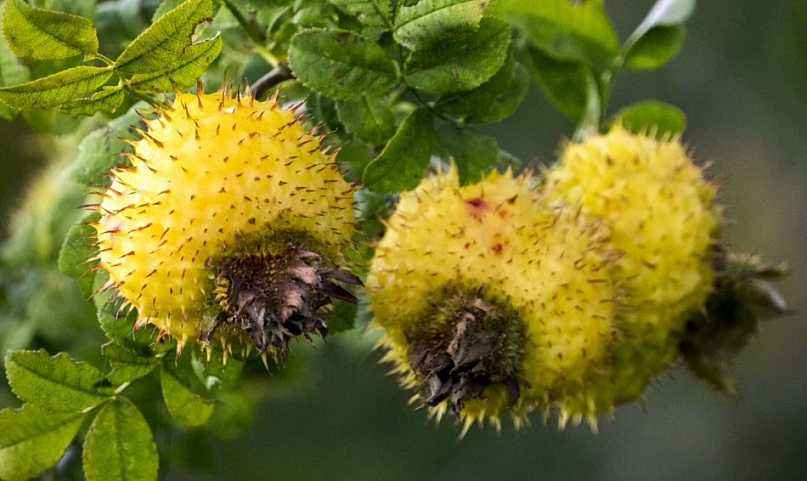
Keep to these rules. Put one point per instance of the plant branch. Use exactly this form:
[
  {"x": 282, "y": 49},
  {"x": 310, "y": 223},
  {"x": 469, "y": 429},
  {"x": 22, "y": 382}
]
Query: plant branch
[{"x": 277, "y": 75}]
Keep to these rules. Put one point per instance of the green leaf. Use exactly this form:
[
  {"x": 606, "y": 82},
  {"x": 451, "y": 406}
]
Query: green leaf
[
  {"x": 184, "y": 71},
  {"x": 33, "y": 439},
  {"x": 405, "y": 158},
  {"x": 341, "y": 64},
  {"x": 657, "y": 47},
  {"x": 563, "y": 83},
  {"x": 426, "y": 21},
  {"x": 566, "y": 30},
  {"x": 55, "y": 382},
  {"x": 473, "y": 154},
  {"x": 653, "y": 116},
  {"x": 460, "y": 61},
  {"x": 57, "y": 89},
  {"x": 107, "y": 100},
  {"x": 186, "y": 407},
  {"x": 100, "y": 150},
  {"x": 368, "y": 118},
  {"x": 127, "y": 365},
  {"x": 119, "y": 445},
  {"x": 373, "y": 13},
  {"x": 161, "y": 45},
  {"x": 47, "y": 35},
  {"x": 493, "y": 101},
  {"x": 77, "y": 249}
]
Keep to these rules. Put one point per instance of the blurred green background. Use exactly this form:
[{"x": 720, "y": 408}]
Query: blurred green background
[{"x": 741, "y": 79}]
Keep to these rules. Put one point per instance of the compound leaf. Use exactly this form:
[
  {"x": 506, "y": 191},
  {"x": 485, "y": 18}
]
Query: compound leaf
[{"x": 186, "y": 407}]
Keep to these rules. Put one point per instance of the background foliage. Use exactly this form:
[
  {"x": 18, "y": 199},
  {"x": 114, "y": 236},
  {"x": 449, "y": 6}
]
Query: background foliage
[{"x": 331, "y": 414}]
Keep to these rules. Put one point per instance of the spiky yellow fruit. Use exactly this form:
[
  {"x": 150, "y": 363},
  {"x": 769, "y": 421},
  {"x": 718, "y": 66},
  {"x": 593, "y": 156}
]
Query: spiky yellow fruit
[
  {"x": 490, "y": 300},
  {"x": 232, "y": 214},
  {"x": 662, "y": 218}
]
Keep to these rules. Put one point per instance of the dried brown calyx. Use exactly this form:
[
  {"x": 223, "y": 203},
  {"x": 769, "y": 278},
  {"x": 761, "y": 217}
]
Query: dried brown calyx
[
  {"x": 742, "y": 295},
  {"x": 275, "y": 295},
  {"x": 474, "y": 344}
]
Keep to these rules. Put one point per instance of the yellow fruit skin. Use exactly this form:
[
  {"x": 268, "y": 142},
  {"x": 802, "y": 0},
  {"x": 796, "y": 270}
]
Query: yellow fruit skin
[
  {"x": 497, "y": 235},
  {"x": 663, "y": 219},
  {"x": 207, "y": 172}
]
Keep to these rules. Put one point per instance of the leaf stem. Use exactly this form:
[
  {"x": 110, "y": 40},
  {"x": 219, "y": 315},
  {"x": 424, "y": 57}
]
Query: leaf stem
[{"x": 273, "y": 78}]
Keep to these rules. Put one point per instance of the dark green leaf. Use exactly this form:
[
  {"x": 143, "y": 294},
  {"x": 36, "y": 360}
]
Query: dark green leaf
[
  {"x": 119, "y": 445},
  {"x": 655, "y": 48},
  {"x": 425, "y": 22},
  {"x": 579, "y": 31},
  {"x": 186, "y": 407},
  {"x": 563, "y": 82},
  {"x": 493, "y": 101},
  {"x": 55, "y": 382},
  {"x": 77, "y": 249},
  {"x": 353, "y": 157},
  {"x": 161, "y": 45},
  {"x": 341, "y": 64},
  {"x": 47, "y": 35},
  {"x": 100, "y": 150},
  {"x": 404, "y": 160},
  {"x": 184, "y": 71},
  {"x": 128, "y": 366},
  {"x": 474, "y": 154},
  {"x": 368, "y": 118},
  {"x": 653, "y": 116},
  {"x": 461, "y": 61},
  {"x": 57, "y": 89},
  {"x": 33, "y": 439},
  {"x": 373, "y": 13},
  {"x": 106, "y": 100}
]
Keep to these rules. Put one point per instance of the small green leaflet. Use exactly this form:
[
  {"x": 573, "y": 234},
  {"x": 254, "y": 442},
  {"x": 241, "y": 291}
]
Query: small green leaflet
[
  {"x": 493, "y": 101},
  {"x": 160, "y": 46},
  {"x": 186, "y": 407},
  {"x": 565, "y": 30},
  {"x": 107, "y": 100},
  {"x": 461, "y": 61},
  {"x": 654, "y": 117},
  {"x": 368, "y": 118},
  {"x": 373, "y": 13},
  {"x": 119, "y": 445},
  {"x": 58, "y": 383},
  {"x": 419, "y": 25},
  {"x": 404, "y": 160},
  {"x": 100, "y": 150},
  {"x": 57, "y": 89},
  {"x": 117, "y": 323},
  {"x": 655, "y": 48},
  {"x": 474, "y": 154},
  {"x": 77, "y": 249},
  {"x": 127, "y": 366},
  {"x": 12, "y": 72},
  {"x": 341, "y": 64},
  {"x": 33, "y": 439},
  {"x": 185, "y": 70},
  {"x": 47, "y": 35},
  {"x": 564, "y": 83}
]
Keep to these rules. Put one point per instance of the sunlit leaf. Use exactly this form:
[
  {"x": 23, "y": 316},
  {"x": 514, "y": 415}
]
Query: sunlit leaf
[
  {"x": 184, "y": 71},
  {"x": 653, "y": 116},
  {"x": 57, "y": 89},
  {"x": 42, "y": 34}
]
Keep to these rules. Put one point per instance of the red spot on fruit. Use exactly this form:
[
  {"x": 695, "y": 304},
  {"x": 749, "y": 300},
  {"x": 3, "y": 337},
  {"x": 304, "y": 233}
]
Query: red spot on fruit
[
  {"x": 497, "y": 248},
  {"x": 477, "y": 207}
]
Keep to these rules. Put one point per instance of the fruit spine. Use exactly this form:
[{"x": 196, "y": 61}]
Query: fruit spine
[{"x": 230, "y": 222}]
